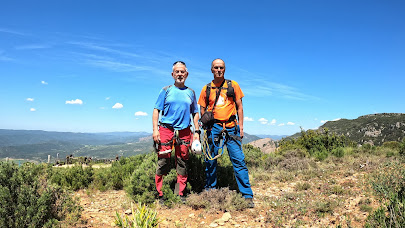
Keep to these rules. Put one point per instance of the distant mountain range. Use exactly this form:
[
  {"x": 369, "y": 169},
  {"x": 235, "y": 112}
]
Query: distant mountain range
[
  {"x": 273, "y": 137},
  {"x": 23, "y": 137},
  {"x": 37, "y": 145}
]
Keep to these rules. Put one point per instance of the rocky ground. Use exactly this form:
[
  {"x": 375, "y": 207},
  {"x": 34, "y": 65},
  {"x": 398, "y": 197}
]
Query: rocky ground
[{"x": 100, "y": 207}]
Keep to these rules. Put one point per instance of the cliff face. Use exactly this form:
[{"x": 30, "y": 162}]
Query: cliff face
[{"x": 374, "y": 129}]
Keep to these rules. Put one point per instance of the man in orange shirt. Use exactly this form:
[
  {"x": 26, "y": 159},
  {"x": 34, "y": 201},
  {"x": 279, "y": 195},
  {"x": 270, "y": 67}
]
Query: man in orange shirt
[{"x": 225, "y": 106}]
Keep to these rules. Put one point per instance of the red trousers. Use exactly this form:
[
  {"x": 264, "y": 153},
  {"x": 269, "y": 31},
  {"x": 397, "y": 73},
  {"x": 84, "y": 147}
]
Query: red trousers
[{"x": 181, "y": 154}]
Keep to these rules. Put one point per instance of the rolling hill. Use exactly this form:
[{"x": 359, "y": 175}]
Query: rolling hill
[{"x": 374, "y": 129}]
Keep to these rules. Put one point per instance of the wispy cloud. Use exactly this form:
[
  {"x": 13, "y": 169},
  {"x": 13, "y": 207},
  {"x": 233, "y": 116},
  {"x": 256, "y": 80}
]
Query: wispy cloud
[
  {"x": 96, "y": 47},
  {"x": 44, "y": 83},
  {"x": 273, "y": 122},
  {"x": 248, "y": 119},
  {"x": 324, "y": 121},
  {"x": 10, "y": 31},
  {"x": 267, "y": 88},
  {"x": 116, "y": 66},
  {"x": 282, "y": 124},
  {"x": 4, "y": 57},
  {"x": 290, "y": 123},
  {"x": 260, "y": 86},
  {"x": 140, "y": 113},
  {"x": 77, "y": 101},
  {"x": 30, "y": 99},
  {"x": 107, "y": 98},
  {"x": 117, "y": 106},
  {"x": 32, "y": 110},
  {"x": 32, "y": 46}
]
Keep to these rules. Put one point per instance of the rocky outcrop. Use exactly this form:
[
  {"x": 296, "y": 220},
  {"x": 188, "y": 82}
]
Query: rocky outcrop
[{"x": 266, "y": 145}]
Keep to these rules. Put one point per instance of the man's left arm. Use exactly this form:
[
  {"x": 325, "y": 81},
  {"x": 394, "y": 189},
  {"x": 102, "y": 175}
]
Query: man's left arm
[
  {"x": 240, "y": 116},
  {"x": 196, "y": 117}
]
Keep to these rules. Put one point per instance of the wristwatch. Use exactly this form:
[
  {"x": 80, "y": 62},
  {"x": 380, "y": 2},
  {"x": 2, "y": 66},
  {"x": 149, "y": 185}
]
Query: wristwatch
[{"x": 197, "y": 131}]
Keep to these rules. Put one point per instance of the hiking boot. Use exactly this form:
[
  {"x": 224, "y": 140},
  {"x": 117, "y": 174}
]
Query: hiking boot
[
  {"x": 161, "y": 201},
  {"x": 183, "y": 199},
  {"x": 249, "y": 202}
]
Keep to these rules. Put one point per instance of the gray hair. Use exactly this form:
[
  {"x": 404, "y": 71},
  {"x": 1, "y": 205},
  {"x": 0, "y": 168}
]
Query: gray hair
[{"x": 179, "y": 63}]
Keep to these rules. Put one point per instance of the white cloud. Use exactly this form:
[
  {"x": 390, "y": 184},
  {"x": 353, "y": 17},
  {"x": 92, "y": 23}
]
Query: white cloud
[
  {"x": 33, "y": 109},
  {"x": 247, "y": 119},
  {"x": 44, "y": 83},
  {"x": 107, "y": 98},
  {"x": 263, "y": 121},
  {"x": 337, "y": 119},
  {"x": 273, "y": 121},
  {"x": 324, "y": 121},
  {"x": 77, "y": 101},
  {"x": 30, "y": 99},
  {"x": 290, "y": 123},
  {"x": 118, "y": 106},
  {"x": 139, "y": 113},
  {"x": 282, "y": 124}
]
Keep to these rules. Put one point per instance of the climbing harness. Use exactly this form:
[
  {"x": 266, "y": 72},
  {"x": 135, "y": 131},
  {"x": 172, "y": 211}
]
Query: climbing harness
[{"x": 175, "y": 141}]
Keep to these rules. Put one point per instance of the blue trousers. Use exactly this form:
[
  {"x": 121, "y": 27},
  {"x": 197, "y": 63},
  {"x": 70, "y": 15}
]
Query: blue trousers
[{"x": 236, "y": 156}]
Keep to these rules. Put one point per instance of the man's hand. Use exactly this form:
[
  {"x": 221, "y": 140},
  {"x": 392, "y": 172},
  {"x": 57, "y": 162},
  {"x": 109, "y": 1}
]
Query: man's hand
[
  {"x": 196, "y": 136},
  {"x": 156, "y": 136},
  {"x": 241, "y": 133}
]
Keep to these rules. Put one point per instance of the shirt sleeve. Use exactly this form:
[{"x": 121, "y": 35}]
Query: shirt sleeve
[
  {"x": 238, "y": 91},
  {"x": 194, "y": 105},
  {"x": 161, "y": 100}
]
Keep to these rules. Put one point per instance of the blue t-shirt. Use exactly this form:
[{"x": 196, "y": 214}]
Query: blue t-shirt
[{"x": 176, "y": 105}]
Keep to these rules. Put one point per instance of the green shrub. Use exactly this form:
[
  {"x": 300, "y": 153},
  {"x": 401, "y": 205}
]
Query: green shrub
[
  {"x": 338, "y": 152},
  {"x": 27, "y": 199},
  {"x": 388, "y": 184},
  {"x": 319, "y": 143},
  {"x": 402, "y": 147},
  {"x": 142, "y": 182},
  {"x": 254, "y": 157},
  {"x": 394, "y": 145},
  {"x": 73, "y": 178}
]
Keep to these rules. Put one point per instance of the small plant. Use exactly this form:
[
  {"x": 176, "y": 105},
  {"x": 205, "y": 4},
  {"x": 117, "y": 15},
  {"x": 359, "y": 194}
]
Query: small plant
[
  {"x": 325, "y": 207},
  {"x": 302, "y": 186},
  {"x": 143, "y": 217}
]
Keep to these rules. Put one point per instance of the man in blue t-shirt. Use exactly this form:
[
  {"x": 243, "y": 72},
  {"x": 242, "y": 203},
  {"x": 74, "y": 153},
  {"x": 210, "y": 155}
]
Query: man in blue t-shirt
[{"x": 176, "y": 102}]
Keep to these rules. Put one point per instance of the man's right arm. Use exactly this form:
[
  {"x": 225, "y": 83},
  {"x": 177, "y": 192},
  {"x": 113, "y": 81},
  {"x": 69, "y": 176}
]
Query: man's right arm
[{"x": 155, "y": 119}]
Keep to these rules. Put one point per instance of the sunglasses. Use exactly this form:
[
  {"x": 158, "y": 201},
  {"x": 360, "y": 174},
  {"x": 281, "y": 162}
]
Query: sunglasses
[{"x": 179, "y": 62}]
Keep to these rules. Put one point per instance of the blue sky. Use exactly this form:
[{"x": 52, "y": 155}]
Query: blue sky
[{"x": 98, "y": 66}]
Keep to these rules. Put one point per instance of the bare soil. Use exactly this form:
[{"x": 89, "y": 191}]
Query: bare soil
[{"x": 100, "y": 207}]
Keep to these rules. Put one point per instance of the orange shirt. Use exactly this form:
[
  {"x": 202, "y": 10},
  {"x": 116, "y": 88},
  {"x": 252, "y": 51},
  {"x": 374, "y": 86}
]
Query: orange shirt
[{"x": 225, "y": 107}]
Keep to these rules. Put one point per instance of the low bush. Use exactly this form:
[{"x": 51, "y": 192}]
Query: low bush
[
  {"x": 217, "y": 199},
  {"x": 388, "y": 184},
  {"x": 72, "y": 178},
  {"x": 27, "y": 199}
]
